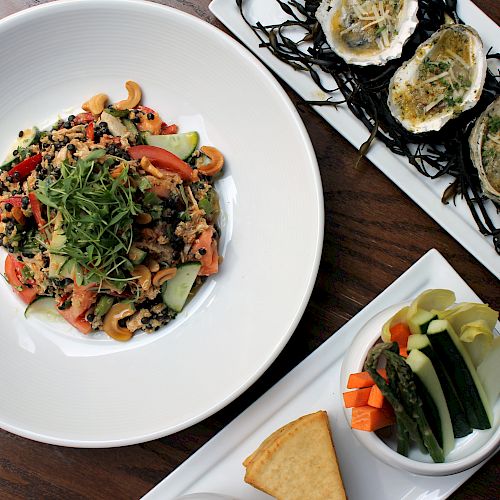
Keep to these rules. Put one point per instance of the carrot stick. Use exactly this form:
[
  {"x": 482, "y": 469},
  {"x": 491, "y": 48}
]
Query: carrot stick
[
  {"x": 367, "y": 418},
  {"x": 362, "y": 379},
  {"x": 376, "y": 398},
  {"x": 400, "y": 333},
  {"x": 403, "y": 351},
  {"x": 356, "y": 398}
]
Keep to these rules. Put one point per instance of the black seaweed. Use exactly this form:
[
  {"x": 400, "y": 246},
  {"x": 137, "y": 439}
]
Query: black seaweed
[{"x": 365, "y": 90}]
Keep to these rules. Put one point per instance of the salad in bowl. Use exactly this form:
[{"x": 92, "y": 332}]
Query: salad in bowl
[{"x": 112, "y": 214}]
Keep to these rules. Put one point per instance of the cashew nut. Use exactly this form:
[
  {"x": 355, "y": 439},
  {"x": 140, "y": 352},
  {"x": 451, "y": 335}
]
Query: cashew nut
[
  {"x": 153, "y": 265},
  {"x": 96, "y": 104},
  {"x": 111, "y": 324},
  {"x": 164, "y": 275},
  {"x": 134, "y": 96},
  {"x": 143, "y": 218},
  {"x": 148, "y": 167},
  {"x": 216, "y": 161},
  {"x": 143, "y": 276}
]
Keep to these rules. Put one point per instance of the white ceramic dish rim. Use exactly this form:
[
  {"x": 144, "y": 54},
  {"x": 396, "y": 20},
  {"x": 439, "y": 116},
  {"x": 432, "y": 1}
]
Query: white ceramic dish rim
[
  {"x": 30, "y": 15},
  {"x": 353, "y": 361}
]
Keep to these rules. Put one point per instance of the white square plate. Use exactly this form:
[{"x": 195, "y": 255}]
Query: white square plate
[{"x": 314, "y": 385}]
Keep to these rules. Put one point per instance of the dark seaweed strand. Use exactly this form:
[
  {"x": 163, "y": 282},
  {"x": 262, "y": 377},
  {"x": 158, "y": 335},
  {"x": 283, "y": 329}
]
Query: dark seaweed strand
[{"x": 365, "y": 91}]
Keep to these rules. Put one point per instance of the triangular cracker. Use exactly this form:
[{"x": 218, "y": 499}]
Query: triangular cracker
[{"x": 297, "y": 462}]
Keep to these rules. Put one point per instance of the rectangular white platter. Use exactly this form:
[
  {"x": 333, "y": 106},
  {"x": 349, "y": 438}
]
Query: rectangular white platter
[
  {"x": 456, "y": 220},
  {"x": 314, "y": 385}
]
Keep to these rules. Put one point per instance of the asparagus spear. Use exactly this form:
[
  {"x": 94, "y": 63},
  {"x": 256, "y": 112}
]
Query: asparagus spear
[
  {"x": 401, "y": 432},
  {"x": 408, "y": 406}
]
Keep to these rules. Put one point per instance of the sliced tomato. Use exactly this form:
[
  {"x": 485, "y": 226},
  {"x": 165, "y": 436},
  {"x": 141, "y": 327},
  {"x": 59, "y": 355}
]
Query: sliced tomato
[
  {"x": 79, "y": 323},
  {"x": 36, "y": 208},
  {"x": 90, "y": 131},
  {"x": 161, "y": 158},
  {"x": 83, "y": 118},
  {"x": 210, "y": 259},
  {"x": 15, "y": 201},
  {"x": 26, "y": 166},
  {"x": 168, "y": 129},
  {"x": 13, "y": 269},
  {"x": 82, "y": 299}
]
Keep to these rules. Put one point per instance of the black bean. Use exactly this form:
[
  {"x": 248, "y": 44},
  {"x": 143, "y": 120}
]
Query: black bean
[
  {"x": 21, "y": 133},
  {"x": 14, "y": 192},
  {"x": 19, "y": 257},
  {"x": 10, "y": 249},
  {"x": 71, "y": 118},
  {"x": 90, "y": 317},
  {"x": 145, "y": 321},
  {"x": 15, "y": 152},
  {"x": 8, "y": 178},
  {"x": 67, "y": 124},
  {"x": 16, "y": 176},
  {"x": 177, "y": 243},
  {"x": 122, "y": 323},
  {"x": 71, "y": 148},
  {"x": 151, "y": 116},
  {"x": 8, "y": 207}
]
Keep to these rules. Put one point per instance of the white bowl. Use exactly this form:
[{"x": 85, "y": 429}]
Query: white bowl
[
  {"x": 65, "y": 388},
  {"x": 468, "y": 451}
]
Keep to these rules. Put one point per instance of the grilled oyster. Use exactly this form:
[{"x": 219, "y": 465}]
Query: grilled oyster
[
  {"x": 367, "y": 32},
  {"x": 484, "y": 143},
  {"x": 444, "y": 78}
]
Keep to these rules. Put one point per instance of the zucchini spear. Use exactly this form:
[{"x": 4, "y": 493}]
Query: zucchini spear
[{"x": 407, "y": 405}]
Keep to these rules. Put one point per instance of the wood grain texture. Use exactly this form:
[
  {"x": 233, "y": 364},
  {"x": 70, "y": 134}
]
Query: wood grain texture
[{"x": 373, "y": 233}]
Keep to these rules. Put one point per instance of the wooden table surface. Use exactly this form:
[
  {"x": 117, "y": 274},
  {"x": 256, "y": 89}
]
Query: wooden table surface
[{"x": 367, "y": 246}]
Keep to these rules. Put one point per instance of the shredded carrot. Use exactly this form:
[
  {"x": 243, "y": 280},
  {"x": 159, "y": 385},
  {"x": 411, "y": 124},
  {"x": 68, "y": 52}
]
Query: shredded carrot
[
  {"x": 362, "y": 379},
  {"x": 358, "y": 397},
  {"x": 376, "y": 398},
  {"x": 400, "y": 333},
  {"x": 367, "y": 418},
  {"x": 403, "y": 351}
]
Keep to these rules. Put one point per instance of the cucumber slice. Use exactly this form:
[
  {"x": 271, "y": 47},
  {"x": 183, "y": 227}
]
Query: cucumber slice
[
  {"x": 175, "y": 291},
  {"x": 459, "y": 421},
  {"x": 433, "y": 397},
  {"x": 181, "y": 145},
  {"x": 419, "y": 321},
  {"x": 44, "y": 307},
  {"x": 72, "y": 270},
  {"x": 29, "y": 136},
  {"x": 459, "y": 366},
  {"x": 136, "y": 255}
]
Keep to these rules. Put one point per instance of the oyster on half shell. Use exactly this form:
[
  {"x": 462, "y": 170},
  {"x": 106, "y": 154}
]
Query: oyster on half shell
[
  {"x": 367, "y": 32},
  {"x": 444, "y": 78},
  {"x": 484, "y": 143}
]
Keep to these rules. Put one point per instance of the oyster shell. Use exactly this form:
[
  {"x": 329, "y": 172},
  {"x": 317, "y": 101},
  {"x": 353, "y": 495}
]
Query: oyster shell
[
  {"x": 444, "y": 78},
  {"x": 484, "y": 143},
  {"x": 367, "y": 32}
]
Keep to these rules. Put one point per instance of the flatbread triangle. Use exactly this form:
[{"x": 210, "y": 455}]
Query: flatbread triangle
[{"x": 297, "y": 462}]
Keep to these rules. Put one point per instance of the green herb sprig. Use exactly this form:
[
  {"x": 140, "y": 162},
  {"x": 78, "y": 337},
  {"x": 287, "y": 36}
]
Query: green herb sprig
[{"x": 97, "y": 213}]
